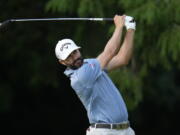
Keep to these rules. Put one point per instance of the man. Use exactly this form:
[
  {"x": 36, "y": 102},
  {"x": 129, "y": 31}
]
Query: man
[{"x": 105, "y": 106}]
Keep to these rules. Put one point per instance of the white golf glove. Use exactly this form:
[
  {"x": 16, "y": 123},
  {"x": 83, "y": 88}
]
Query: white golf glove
[{"x": 130, "y": 23}]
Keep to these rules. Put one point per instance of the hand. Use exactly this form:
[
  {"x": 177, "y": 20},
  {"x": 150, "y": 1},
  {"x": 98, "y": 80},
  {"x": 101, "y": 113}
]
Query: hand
[
  {"x": 130, "y": 23},
  {"x": 119, "y": 21}
]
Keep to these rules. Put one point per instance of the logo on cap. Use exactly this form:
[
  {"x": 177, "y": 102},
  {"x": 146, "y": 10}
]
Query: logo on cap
[{"x": 64, "y": 46}]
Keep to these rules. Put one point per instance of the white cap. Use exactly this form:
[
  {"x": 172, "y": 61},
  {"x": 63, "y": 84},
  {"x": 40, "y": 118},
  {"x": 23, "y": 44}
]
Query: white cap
[{"x": 64, "y": 48}]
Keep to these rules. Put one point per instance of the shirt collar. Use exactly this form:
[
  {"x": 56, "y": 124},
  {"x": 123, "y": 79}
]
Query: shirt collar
[{"x": 68, "y": 72}]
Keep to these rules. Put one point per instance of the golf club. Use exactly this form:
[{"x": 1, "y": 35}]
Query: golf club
[{"x": 53, "y": 19}]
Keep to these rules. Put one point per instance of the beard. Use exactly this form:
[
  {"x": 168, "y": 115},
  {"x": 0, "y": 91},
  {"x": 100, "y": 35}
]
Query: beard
[{"x": 77, "y": 63}]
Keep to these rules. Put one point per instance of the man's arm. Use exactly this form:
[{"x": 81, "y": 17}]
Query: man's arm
[
  {"x": 125, "y": 53},
  {"x": 114, "y": 42}
]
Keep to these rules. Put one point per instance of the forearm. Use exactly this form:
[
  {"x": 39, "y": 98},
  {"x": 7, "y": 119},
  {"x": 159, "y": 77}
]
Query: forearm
[
  {"x": 126, "y": 50},
  {"x": 113, "y": 44}
]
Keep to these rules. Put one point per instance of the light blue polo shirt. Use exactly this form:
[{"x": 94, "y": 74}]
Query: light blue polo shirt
[{"x": 100, "y": 97}]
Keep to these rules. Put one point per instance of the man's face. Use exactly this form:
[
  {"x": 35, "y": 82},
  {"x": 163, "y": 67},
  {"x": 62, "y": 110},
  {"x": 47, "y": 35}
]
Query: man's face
[{"x": 74, "y": 60}]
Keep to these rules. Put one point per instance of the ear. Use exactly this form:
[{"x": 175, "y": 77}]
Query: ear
[{"x": 62, "y": 62}]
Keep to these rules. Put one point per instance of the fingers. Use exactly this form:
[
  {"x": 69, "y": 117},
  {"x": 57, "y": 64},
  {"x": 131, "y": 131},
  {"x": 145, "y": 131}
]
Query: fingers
[
  {"x": 119, "y": 21},
  {"x": 130, "y": 23},
  {"x": 127, "y": 21}
]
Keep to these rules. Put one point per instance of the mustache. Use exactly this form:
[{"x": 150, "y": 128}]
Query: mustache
[
  {"x": 72, "y": 66},
  {"x": 80, "y": 58}
]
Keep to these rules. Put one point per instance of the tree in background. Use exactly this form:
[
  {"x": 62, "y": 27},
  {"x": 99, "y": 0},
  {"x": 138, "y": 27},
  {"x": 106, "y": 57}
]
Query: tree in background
[
  {"x": 152, "y": 71},
  {"x": 29, "y": 85},
  {"x": 33, "y": 96}
]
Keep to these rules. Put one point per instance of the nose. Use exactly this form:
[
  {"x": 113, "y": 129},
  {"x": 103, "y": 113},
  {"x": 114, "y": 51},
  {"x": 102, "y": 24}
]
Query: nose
[{"x": 75, "y": 55}]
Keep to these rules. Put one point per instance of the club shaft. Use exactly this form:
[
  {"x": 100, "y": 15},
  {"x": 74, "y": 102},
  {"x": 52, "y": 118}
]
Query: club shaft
[
  {"x": 53, "y": 19},
  {"x": 62, "y": 19}
]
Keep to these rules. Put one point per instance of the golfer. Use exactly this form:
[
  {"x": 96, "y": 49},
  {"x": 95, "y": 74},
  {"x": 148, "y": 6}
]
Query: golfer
[{"x": 106, "y": 110}]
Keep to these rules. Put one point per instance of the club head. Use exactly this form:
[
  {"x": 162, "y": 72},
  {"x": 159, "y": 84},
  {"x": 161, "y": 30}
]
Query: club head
[{"x": 4, "y": 23}]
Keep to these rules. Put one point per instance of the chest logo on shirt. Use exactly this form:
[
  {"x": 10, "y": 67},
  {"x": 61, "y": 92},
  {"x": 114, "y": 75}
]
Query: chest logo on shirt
[{"x": 92, "y": 65}]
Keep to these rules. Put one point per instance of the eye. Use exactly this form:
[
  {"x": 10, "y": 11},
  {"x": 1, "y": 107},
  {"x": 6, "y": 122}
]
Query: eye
[{"x": 75, "y": 51}]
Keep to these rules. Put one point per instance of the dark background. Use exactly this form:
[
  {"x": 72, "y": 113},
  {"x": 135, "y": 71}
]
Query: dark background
[{"x": 35, "y": 95}]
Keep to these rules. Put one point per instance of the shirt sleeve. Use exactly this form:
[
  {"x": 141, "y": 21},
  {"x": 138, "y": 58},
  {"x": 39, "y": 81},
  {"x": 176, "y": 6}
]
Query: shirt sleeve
[{"x": 90, "y": 73}]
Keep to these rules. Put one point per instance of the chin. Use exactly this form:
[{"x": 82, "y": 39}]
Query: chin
[{"x": 77, "y": 65}]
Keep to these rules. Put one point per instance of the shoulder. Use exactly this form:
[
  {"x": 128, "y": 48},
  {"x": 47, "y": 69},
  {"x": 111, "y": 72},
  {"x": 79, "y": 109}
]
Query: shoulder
[
  {"x": 92, "y": 62},
  {"x": 83, "y": 71},
  {"x": 89, "y": 67}
]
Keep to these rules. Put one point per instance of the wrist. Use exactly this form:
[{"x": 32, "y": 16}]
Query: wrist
[
  {"x": 130, "y": 30},
  {"x": 119, "y": 27}
]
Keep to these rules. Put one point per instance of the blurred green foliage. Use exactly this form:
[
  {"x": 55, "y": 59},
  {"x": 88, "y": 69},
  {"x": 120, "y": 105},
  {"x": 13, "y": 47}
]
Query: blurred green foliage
[
  {"x": 27, "y": 49},
  {"x": 33, "y": 90},
  {"x": 157, "y": 46}
]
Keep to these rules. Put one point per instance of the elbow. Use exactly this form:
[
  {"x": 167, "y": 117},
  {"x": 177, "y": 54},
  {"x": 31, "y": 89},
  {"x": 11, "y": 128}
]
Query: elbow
[
  {"x": 125, "y": 62},
  {"x": 121, "y": 63}
]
